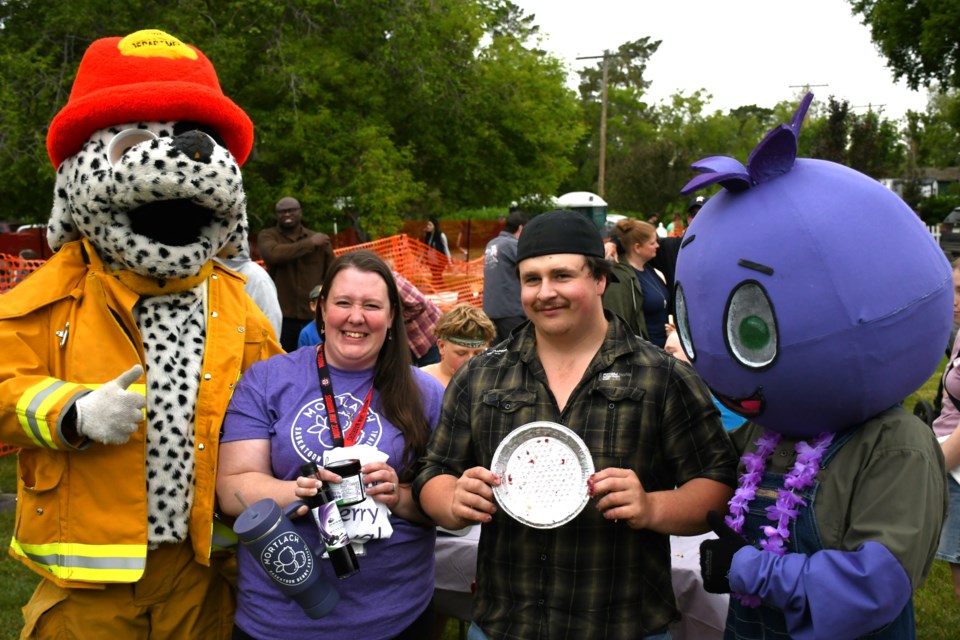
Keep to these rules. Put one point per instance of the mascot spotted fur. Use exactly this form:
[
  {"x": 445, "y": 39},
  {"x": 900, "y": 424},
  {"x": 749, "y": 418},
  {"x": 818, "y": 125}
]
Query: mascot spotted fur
[
  {"x": 120, "y": 353},
  {"x": 813, "y": 301}
]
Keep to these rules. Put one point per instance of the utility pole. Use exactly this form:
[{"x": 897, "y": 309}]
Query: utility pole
[{"x": 603, "y": 118}]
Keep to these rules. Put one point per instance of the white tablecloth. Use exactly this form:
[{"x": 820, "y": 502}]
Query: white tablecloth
[
  {"x": 703, "y": 613},
  {"x": 457, "y": 560},
  {"x": 456, "y": 570}
]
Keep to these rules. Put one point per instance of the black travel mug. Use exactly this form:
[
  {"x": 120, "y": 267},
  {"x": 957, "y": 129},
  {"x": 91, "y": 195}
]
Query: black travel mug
[{"x": 286, "y": 557}]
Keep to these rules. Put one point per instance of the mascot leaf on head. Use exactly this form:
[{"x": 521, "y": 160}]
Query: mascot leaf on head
[
  {"x": 121, "y": 352},
  {"x": 813, "y": 301}
]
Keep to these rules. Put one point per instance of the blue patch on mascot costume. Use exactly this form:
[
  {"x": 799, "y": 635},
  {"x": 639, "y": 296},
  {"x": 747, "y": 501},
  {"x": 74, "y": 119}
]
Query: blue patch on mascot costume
[{"x": 813, "y": 301}]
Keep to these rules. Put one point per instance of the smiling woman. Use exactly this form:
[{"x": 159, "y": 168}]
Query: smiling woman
[
  {"x": 356, "y": 317},
  {"x": 280, "y": 417}
]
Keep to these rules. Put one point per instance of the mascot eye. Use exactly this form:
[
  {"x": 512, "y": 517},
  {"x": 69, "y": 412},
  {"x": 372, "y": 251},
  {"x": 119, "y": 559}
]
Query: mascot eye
[
  {"x": 126, "y": 140},
  {"x": 185, "y": 125},
  {"x": 751, "y": 327},
  {"x": 683, "y": 324}
]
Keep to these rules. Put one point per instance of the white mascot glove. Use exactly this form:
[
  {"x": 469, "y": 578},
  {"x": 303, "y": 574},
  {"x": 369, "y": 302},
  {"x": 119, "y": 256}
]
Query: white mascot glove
[{"x": 110, "y": 413}]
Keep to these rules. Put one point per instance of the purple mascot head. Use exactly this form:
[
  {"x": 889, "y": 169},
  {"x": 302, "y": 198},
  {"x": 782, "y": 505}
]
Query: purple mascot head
[{"x": 809, "y": 296}]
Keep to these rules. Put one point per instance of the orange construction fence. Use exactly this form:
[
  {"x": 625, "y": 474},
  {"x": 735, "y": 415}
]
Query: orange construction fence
[
  {"x": 13, "y": 269},
  {"x": 444, "y": 281}
]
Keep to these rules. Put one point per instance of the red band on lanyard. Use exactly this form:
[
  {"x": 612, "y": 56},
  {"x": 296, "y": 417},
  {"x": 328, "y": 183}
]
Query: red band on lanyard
[{"x": 330, "y": 403}]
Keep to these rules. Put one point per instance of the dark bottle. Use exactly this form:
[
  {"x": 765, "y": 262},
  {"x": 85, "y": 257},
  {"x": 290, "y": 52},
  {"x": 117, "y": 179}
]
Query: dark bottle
[{"x": 326, "y": 512}]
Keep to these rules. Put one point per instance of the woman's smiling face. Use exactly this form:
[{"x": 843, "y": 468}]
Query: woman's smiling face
[{"x": 356, "y": 315}]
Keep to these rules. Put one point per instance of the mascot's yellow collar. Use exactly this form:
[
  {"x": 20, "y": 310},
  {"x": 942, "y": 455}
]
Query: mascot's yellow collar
[{"x": 149, "y": 286}]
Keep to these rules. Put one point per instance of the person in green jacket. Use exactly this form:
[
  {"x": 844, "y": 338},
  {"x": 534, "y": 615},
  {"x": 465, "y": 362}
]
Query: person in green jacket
[{"x": 636, "y": 245}]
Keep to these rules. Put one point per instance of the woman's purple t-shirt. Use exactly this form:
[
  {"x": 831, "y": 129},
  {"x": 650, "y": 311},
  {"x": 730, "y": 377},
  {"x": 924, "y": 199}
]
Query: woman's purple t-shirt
[{"x": 279, "y": 400}]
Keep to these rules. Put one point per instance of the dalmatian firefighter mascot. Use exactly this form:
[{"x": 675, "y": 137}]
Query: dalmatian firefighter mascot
[
  {"x": 121, "y": 352},
  {"x": 813, "y": 301}
]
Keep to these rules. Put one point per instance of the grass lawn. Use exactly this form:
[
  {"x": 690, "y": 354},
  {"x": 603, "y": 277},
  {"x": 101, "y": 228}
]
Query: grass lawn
[{"x": 937, "y": 611}]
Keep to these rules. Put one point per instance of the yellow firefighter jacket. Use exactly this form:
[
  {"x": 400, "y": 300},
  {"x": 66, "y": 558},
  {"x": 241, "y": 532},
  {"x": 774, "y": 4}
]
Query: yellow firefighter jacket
[{"x": 82, "y": 512}]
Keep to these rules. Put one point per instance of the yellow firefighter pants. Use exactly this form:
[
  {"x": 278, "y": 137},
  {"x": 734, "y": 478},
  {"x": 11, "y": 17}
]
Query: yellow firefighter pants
[{"x": 175, "y": 598}]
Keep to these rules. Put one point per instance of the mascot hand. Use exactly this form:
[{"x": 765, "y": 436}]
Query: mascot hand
[
  {"x": 111, "y": 413},
  {"x": 716, "y": 556}
]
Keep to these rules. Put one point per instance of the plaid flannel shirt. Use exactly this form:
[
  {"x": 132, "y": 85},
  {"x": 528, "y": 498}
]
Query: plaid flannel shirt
[
  {"x": 419, "y": 316},
  {"x": 637, "y": 408}
]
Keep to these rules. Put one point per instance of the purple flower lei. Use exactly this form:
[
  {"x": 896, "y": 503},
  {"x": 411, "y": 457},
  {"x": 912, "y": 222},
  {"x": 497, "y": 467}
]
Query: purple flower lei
[{"x": 802, "y": 475}]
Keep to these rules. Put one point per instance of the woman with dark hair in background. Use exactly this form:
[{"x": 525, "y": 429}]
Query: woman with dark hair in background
[
  {"x": 437, "y": 240},
  {"x": 277, "y": 420}
]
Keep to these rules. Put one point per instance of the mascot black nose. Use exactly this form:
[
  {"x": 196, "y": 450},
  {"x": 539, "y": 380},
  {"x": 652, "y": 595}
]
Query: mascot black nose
[{"x": 197, "y": 145}]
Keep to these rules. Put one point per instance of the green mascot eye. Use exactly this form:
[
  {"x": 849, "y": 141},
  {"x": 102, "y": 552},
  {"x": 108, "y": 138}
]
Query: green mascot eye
[
  {"x": 751, "y": 326},
  {"x": 754, "y": 333}
]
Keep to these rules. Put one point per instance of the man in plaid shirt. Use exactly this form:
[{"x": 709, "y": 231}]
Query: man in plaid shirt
[
  {"x": 654, "y": 434},
  {"x": 420, "y": 316}
]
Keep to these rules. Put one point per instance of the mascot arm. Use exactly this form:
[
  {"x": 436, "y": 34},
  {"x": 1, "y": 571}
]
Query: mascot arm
[
  {"x": 36, "y": 403},
  {"x": 832, "y": 593}
]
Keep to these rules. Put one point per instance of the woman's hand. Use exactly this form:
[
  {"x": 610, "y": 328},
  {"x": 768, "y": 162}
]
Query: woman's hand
[
  {"x": 308, "y": 486},
  {"x": 382, "y": 483}
]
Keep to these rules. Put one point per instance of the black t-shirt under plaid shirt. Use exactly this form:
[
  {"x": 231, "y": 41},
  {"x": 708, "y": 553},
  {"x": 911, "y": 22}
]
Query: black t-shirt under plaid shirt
[{"x": 637, "y": 408}]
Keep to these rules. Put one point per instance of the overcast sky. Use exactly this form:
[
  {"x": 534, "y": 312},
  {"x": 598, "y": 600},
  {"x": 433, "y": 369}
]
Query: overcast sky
[{"x": 741, "y": 51}]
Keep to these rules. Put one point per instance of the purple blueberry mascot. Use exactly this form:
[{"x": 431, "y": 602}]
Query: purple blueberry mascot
[{"x": 813, "y": 301}]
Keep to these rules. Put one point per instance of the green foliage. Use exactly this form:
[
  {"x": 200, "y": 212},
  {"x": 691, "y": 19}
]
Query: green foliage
[
  {"x": 934, "y": 210},
  {"x": 829, "y": 140},
  {"x": 403, "y": 108},
  {"x": 482, "y": 213},
  {"x": 918, "y": 38},
  {"x": 419, "y": 107},
  {"x": 934, "y": 136}
]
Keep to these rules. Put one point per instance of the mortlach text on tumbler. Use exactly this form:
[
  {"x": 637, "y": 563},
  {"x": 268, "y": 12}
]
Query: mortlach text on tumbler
[
  {"x": 326, "y": 512},
  {"x": 271, "y": 538}
]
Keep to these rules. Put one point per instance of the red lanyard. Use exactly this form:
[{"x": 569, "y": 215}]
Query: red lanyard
[{"x": 329, "y": 402}]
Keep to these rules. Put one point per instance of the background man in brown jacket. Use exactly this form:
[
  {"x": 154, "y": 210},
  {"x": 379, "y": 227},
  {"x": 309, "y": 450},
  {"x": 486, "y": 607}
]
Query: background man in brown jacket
[{"x": 297, "y": 259}]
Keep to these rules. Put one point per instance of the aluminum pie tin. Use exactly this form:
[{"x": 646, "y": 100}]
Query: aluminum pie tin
[{"x": 543, "y": 469}]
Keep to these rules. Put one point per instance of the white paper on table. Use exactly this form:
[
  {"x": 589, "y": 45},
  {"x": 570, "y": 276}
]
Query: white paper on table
[{"x": 955, "y": 472}]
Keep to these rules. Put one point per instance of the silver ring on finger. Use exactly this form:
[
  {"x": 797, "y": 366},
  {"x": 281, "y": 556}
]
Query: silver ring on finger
[{"x": 393, "y": 487}]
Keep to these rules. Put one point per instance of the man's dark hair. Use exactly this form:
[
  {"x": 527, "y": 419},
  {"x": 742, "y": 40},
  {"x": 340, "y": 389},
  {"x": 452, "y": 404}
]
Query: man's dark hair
[
  {"x": 515, "y": 220},
  {"x": 598, "y": 267}
]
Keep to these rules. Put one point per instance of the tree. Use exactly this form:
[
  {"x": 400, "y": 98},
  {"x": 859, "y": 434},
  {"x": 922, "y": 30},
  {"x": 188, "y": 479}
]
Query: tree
[
  {"x": 918, "y": 38},
  {"x": 401, "y": 108},
  {"x": 829, "y": 140},
  {"x": 935, "y": 140},
  {"x": 874, "y": 146}
]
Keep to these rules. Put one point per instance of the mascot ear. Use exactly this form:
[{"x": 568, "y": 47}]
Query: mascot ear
[{"x": 60, "y": 227}]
